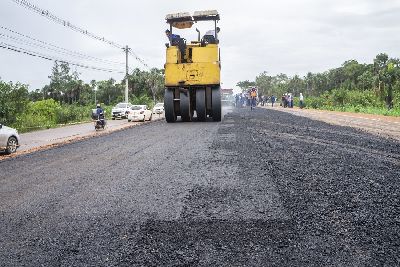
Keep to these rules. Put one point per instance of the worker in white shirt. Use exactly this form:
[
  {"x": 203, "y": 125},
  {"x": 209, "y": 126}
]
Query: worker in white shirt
[
  {"x": 301, "y": 100},
  {"x": 211, "y": 37}
]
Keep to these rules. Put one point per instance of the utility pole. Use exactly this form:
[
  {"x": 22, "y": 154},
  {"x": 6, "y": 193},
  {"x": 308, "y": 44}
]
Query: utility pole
[
  {"x": 126, "y": 49},
  {"x": 95, "y": 91}
]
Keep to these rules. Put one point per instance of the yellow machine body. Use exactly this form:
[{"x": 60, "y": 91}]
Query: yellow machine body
[
  {"x": 192, "y": 70},
  {"x": 201, "y": 66}
]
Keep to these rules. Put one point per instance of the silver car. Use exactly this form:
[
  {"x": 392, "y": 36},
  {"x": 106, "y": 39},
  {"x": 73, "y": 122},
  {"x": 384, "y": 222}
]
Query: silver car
[
  {"x": 158, "y": 108},
  {"x": 9, "y": 139}
]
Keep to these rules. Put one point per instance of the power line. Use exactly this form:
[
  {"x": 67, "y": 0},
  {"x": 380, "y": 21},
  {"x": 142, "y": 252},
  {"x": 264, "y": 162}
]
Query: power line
[
  {"x": 60, "y": 48},
  {"x": 50, "y": 16},
  {"x": 47, "y": 14},
  {"x": 138, "y": 59},
  {"x": 50, "y": 58}
]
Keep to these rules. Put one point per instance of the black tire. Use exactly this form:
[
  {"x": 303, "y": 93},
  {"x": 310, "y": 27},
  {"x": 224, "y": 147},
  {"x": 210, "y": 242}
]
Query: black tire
[
  {"x": 12, "y": 145},
  {"x": 151, "y": 117},
  {"x": 170, "y": 115},
  {"x": 186, "y": 113},
  {"x": 201, "y": 108},
  {"x": 216, "y": 103}
]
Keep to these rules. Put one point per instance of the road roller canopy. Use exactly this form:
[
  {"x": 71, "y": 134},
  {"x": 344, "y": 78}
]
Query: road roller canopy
[
  {"x": 184, "y": 20},
  {"x": 206, "y": 15}
]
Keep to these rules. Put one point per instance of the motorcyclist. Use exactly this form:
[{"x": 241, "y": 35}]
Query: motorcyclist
[{"x": 100, "y": 114}]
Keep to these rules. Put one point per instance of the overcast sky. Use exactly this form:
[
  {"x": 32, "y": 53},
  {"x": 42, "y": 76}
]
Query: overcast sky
[{"x": 288, "y": 36}]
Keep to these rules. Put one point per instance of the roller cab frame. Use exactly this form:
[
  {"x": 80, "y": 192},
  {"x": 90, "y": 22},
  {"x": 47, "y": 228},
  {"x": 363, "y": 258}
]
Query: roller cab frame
[{"x": 192, "y": 72}]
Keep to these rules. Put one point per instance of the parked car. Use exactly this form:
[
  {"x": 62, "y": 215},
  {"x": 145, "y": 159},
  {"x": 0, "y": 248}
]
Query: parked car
[
  {"x": 158, "y": 108},
  {"x": 9, "y": 139},
  {"x": 121, "y": 110},
  {"x": 139, "y": 113}
]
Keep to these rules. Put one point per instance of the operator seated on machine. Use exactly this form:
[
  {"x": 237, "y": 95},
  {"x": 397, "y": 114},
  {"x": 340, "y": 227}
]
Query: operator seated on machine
[
  {"x": 176, "y": 40},
  {"x": 210, "y": 37}
]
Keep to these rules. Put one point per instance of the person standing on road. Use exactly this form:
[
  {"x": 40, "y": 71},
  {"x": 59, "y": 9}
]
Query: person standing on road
[
  {"x": 284, "y": 100},
  {"x": 272, "y": 100},
  {"x": 253, "y": 98},
  {"x": 289, "y": 100},
  {"x": 301, "y": 100}
]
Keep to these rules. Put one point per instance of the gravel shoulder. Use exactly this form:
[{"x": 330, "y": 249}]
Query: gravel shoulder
[
  {"x": 385, "y": 126},
  {"x": 261, "y": 188}
]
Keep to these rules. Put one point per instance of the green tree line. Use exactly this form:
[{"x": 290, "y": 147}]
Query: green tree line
[
  {"x": 378, "y": 83},
  {"x": 69, "y": 99}
]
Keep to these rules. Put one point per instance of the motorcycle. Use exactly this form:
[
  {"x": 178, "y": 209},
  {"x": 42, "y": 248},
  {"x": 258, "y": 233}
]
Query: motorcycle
[{"x": 99, "y": 120}]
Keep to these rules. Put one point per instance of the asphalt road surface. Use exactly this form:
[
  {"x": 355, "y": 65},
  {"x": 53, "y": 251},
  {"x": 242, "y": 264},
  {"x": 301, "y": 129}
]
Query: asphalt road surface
[
  {"x": 261, "y": 188},
  {"x": 38, "y": 139}
]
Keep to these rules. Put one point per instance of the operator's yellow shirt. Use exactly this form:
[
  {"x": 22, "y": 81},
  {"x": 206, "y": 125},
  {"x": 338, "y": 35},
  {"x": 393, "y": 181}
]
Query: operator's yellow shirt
[{"x": 253, "y": 94}]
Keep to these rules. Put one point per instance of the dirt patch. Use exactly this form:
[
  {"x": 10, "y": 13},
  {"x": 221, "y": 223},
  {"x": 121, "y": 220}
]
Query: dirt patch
[{"x": 380, "y": 125}]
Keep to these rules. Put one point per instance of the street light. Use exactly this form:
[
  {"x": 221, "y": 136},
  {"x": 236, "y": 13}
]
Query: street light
[{"x": 95, "y": 91}]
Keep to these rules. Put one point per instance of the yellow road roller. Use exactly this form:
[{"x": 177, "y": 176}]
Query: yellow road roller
[{"x": 192, "y": 69}]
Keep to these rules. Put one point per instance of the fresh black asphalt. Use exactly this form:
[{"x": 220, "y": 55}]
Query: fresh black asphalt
[{"x": 261, "y": 188}]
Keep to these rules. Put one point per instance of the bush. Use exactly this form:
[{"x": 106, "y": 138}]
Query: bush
[
  {"x": 73, "y": 113},
  {"x": 39, "y": 114},
  {"x": 314, "y": 102},
  {"x": 49, "y": 114},
  {"x": 339, "y": 97},
  {"x": 353, "y": 101},
  {"x": 362, "y": 98},
  {"x": 13, "y": 102}
]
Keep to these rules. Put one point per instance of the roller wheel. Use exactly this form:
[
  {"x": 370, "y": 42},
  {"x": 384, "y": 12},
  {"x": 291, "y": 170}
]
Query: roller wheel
[
  {"x": 216, "y": 104},
  {"x": 170, "y": 115},
  {"x": 201, "y": 104},
  {"x": 186, "y": 112}
]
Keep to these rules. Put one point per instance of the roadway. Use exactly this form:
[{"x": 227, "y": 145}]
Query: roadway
[{"x": 260, "y": 188}]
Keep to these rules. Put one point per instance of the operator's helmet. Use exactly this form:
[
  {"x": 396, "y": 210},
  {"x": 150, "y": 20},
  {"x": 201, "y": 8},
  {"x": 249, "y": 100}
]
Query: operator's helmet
[{"x": 98, "y": 105}]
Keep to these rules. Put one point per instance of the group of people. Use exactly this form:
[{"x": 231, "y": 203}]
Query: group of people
[
  {"x": 264, "y": 100},
  {"x": 287, "y": 100},
  {"x": 243, "y": 99},
  {"x": 246, "y": 99}
]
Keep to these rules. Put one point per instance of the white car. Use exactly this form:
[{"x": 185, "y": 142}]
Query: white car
[
  {"x": 121, "y": 110},
  {"x": 158, "y": 108},
  {"x": 9, "y": 139},
  {"x": 139, "y": 113}
]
